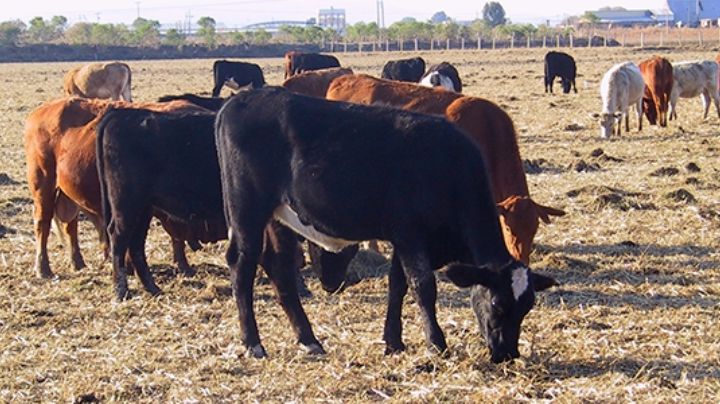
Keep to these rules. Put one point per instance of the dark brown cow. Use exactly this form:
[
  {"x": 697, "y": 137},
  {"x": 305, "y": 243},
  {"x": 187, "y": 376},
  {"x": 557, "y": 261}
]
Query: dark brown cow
[
  {"x": 657, "y": 73},
  {"x": 298, "y": 62},
  {"x": 491, "y": 128},
  {"x": 62, "y": 173}
]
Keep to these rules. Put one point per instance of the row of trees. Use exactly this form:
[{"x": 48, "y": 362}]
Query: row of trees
[{"x": 145, "y": 32}]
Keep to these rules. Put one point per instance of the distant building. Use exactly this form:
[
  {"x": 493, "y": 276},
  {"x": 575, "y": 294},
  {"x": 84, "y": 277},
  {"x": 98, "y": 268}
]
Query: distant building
[
  {"x": 625, "y": 18},
  {"x": 690, "y": 12},
  {"x": 332, "y": 18}
]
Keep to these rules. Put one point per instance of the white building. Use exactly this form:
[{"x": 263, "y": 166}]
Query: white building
[{"x": 690, "y": 12}]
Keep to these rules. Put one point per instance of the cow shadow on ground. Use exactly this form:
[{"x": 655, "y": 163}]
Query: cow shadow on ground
[{"x": 665, "y": 372}]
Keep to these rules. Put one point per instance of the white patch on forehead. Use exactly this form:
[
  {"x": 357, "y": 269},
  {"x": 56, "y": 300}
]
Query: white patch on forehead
[
  {"x": 287, "y": 216},
  {"x": 519, "y": 282}
]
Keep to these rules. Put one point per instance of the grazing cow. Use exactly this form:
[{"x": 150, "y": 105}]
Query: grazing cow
[
  {"x": 298, "y": 62},
  {"x": 488, "y": 125},
  {"x": 340, "y": 173},
  {"x": 99, "y": 80},
  {"x": 442, "y": 75},
  {"x": 657, "y": 72},
  {"x": 236, "y": 75},
  {"x": 560, "y": 64},
  {"x": 691, "y": 79},
  {"x": 62, "y": 174},
  {"x": 209, "y": 103},
  {"x": 621, "y": 86},
  {"x": 411, "y": 70},
  {"x": 315, "y": 82}
]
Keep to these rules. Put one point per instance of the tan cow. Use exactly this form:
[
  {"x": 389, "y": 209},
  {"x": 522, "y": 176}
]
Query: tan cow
[
  {"x": 61, "y": 167},
  {"x": 314, "y": 82},
  {"x": 99, "y": 80},
  {"x": 491, "y": 128}
]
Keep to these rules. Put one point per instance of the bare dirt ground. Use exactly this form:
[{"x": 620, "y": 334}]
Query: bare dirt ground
[{"x": 636, "y": 317}]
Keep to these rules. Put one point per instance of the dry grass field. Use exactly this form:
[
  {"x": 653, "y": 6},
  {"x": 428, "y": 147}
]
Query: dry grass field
[{"x": 636, "y": 317}]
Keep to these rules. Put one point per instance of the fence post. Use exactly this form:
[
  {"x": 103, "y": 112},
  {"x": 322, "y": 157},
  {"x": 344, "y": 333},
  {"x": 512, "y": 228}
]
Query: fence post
[
  {"x": 572, "y": 41},
  {"x": 374, "y": 45},
  {"x": 432, "y": 44},
  {"x": 493, "y": 43},
  {"x": 462, "y": 43},
  {"x": 387, "y": 45},
  {"x": 590, "y": 37},
  {"x": 528, "y": 41},
  {"x": 345, "y": 47},
  {"x": 447, "y": 44},
  {"x": 416, "y": 44},
  {"x": 642, "y": 40},
  {"x": 544, "y": 41},
  {"x": 479, "y": 42},
  {"x": 401, "y": 44},
  {"x": 512, "y": 41},
  {"x": 557, "y": 41}
]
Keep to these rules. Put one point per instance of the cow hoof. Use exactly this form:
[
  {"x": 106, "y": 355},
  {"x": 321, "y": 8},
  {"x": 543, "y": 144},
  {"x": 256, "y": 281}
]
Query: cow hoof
[
  {"x": 393, "y": 349},
  {"x": 154, "y": 291},
  {"x": 314, "y": 349},
  {"x": 188, "y": 272},
  {"x": 78, "y": 263},
  {"x": 256, "y": 351},
  {"x": 122, "y": 294},
  {"x": 44, "y": 273}
]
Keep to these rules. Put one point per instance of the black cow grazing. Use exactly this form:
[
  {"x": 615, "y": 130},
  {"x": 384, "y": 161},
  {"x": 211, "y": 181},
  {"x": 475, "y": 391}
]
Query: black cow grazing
[
  {"x": 404, "y": 69},
  {"x": 338, "y": 173},
  {"x": 298, "y": 62},
  {"x": 442, "y": 75},
  {"x": 209, "y": 103},
  {"x": 236, "y": 75},
  {"x": 560, "y": 64}
]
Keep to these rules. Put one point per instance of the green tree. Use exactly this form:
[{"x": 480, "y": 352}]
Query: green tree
[
  {"x": 109, "y": 34},
  {"x": 146, "y": 32},
  {"x": 237, "y": 38},
  {"x": 207, "y": 31},
  {"x": 447, "y": 30},
  {"x": 79, "y": 33},
  {"x": 439, "y": 17},
  {"x": 494, "y": 14},
  {"x": 259, "y": 37},
  {"x": 173, "y": 37},
  {"x": 10, "y": 32}
]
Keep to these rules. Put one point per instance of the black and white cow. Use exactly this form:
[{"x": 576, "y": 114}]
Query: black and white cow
[
  {"x": 560, "y": 64},
  {"x": 410, "y": 70},
  {"x": 339, "y": 173},
  {"x": 236, "y": 75},
  {"x": 443, "y": 75}
]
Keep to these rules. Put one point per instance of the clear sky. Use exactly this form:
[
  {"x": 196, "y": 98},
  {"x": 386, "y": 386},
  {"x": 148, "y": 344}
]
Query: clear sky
[{"x": 243, "y": 12}]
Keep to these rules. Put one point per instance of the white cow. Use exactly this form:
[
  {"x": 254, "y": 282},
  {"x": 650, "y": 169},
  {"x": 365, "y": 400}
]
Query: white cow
[
  {"x": 691, "y": 79},
  {"x": 621, "y": 86}
]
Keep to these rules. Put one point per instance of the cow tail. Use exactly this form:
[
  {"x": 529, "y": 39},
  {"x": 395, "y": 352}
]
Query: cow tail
[{"x": 100, "y": 160}]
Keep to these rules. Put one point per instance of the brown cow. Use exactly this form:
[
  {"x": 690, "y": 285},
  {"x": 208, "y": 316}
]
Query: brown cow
[
  {"x": 316, "y": 82},
  {"x": 62, "y": 173},
  {"x": 99, "y": 80},
  {"x": 488, "y": 124},
  {"x": 657, "y": 73},
  {"x": 298, "y": 62}
]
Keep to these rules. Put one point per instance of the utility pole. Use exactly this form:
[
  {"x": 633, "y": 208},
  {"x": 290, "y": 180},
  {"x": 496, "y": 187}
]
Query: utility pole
[{"x": 137, "y": 5}]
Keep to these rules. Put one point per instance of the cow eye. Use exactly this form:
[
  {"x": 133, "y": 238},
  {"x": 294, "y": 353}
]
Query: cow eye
[{"x": 496, "y": 304}]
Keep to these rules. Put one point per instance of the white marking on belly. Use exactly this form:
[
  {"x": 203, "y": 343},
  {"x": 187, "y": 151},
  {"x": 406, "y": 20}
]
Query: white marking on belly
[
  {"x": 287, "y": 216},
  {"x": 519, "y": 281}
]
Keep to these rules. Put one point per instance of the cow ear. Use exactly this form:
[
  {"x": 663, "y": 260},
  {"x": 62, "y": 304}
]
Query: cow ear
[
  {"x": 594, "y": 115},
  {"x": 545, "y": 212},
  {"x": 542, "y": 282},
  {"x": 465, "y": 275},
  {"x": 618, "y": 115}
]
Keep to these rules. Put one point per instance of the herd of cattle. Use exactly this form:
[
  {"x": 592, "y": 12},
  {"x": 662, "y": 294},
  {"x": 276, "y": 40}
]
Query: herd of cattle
[{"x": 333, "y": 156}]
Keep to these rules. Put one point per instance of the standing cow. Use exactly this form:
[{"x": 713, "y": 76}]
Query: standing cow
[
  {"x": 236, "y": 75},
  {"x": 298, "y": 62},
  {"x": 99, "y": 80},
  {"x": 657, "y": 73},
  {"x": 691, "y": 79},
  {"x": 443, "y": 75},
  {"x": 621, "y": 87},
  {"x": 560, "y": 64},
  {"x": 315, "y": 82},
  {"x": 410, "y": 70},
  {"x": 340, "y": 173}
]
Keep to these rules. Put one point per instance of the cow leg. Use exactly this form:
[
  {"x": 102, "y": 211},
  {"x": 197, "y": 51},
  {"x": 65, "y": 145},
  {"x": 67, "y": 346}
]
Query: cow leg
[
  {"x": 574, "y": 86},
  {"x": 638, "y": 110},
  {"x": 43, "y": 189},
  {"x": 66, "y": 220},
  {"x": 706, "y": 103},
  {"x": 397, "y": 289},
  {"x": 216, "y": 90},
  {"x": 421, "y": 281},
  {"x": 627, "y": 120},
  {"x": 281, "y": 267},
  {"x": 136, "y": 249},
  {"x": 102, "y": 234},
  {"x": 180, "y": 259}
]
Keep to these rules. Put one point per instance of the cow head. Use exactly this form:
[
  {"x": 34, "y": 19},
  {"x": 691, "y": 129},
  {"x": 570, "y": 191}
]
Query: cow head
[
  {"x": 519, "y": 217},
  {"x": 607, "y": 120},
  {"x": 501, "y": 297}
]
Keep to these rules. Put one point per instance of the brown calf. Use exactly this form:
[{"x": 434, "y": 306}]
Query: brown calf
[{"x": 657, "y": 73}]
